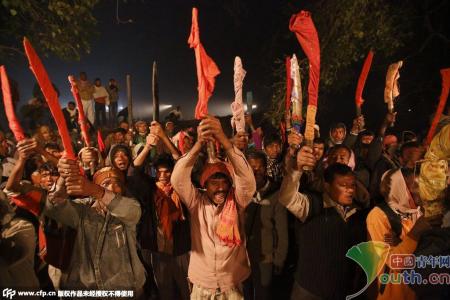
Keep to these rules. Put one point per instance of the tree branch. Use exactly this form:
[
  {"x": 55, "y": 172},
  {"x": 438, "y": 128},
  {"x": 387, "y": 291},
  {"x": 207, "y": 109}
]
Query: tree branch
[{"x": 11, "y": 49}]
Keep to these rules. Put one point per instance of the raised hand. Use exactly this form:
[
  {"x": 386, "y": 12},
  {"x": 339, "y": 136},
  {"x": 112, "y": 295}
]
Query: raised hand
[
  {"x": 156, "y": 129},
  {"x": 306, "y": 158},
  {"x": 26, "y": 147},
  {"x": 78, "y": 185},
  {"x": 68, "y": 167}
]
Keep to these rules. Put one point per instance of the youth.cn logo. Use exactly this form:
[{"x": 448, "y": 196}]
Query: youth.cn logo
[{"x": 371, "y": 257}]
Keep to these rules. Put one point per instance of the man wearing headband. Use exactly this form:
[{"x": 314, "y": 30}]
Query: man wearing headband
[
  {"x": 105, "y": 255},
  {"x": 219, "y": 262}
]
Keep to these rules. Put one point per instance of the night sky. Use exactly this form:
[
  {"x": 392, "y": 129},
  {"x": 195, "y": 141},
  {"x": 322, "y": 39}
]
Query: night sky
[{"x": 159, "y": 31}]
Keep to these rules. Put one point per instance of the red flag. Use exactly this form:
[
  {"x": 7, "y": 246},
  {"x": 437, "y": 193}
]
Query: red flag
[
  {"x": 362, "y": 79},
  {"x": 207, "y": 69},
  {"x": 51, "y": 97},
  {"x": 14, "y": 124},
  {"x": 81, "y": 116},
  {"x": 445, "y": 73},
  {"x": 101, "y": 144},
  {"x": 303, "y": 27}
]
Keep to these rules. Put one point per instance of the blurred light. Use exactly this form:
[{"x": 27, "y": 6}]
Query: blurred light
[
  {"x": 165, "y": 106},
  {"x": 120, "y": 107},
  {"x": 410, "y": 109},
  {"x": 254, "y": 106},
  {"x": 107, "y": 108}
]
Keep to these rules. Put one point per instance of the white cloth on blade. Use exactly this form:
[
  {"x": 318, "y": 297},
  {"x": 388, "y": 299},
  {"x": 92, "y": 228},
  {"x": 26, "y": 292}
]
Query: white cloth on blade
[{"x": 237, "y": 107}]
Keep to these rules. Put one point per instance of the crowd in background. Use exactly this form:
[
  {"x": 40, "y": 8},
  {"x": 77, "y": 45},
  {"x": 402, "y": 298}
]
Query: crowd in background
[{"x": 177, "y": 212}]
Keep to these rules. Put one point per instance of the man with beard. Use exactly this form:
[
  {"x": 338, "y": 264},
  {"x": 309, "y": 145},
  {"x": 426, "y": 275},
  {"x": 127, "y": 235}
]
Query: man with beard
[
  {"x": 266, "y": 230},
  {"x": 218, "y": 263}
]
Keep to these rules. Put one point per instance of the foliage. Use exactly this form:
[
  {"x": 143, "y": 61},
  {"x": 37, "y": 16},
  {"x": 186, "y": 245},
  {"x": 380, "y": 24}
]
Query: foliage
[
  {"x": 346, "y": 35},
  {"x": 63, "y": 28}
]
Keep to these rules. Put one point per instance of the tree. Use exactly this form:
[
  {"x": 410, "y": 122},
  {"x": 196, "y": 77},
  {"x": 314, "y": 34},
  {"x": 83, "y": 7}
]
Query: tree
[
  {"x": 347, "y": 30},
  {"x": 62, "y": 28}
]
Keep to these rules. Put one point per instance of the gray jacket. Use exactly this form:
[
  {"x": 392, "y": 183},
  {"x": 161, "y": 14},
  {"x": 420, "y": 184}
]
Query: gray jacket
[{"x": 105, "y": 255}]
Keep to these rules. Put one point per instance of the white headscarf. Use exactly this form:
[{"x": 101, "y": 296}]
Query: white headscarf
[{"x": 399, "y": 198}]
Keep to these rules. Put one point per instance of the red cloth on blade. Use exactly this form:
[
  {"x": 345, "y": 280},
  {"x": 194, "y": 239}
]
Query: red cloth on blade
[
  {"x": 207, "y": 69},
  {"x": 14, "y": 124},
  {"x": 303, "y": 27},
  {"x": 362, "y": 79},
  {"x": 101, "y": 144},
  {"x": 51, "y": 97},
  {"x": 445, "y": 73}
]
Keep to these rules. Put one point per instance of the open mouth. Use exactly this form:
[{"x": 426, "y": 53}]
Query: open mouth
[
  {"x": 220, "y": 197},
  {"x": 121, "y": 165}
]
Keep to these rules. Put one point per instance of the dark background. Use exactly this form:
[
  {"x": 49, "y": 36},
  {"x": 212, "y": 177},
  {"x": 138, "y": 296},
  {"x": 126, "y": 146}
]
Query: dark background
[{"x": 159, "y": 31}]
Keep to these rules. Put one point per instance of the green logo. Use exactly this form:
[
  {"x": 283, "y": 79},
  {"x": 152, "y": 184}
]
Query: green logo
[{"x": 371, "y": 256}]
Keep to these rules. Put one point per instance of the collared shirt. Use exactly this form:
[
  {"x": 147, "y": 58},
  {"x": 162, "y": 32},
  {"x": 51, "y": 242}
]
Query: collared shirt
[
  {"x": 344, "y": 211},
  {"x": 298, "y": 203},
  {"x": 214, "y": 265}
]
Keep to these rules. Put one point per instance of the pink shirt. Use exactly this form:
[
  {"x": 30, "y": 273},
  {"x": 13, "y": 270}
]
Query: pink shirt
[{"x": 212, "y": 264}]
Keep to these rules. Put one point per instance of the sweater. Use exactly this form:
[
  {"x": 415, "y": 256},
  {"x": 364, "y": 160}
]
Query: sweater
[{"x": 323, "y": 241}]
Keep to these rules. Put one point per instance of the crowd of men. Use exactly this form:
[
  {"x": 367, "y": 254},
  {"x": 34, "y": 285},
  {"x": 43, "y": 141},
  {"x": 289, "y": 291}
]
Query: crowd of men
[{"x": 179, "y": 213}]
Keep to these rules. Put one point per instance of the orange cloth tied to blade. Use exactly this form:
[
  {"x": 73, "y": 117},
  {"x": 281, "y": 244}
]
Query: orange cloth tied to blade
[
  {"x": 51, "y": 97},
  {"x": 207, "y": 69},
  {"x": 81, "y": 116},
  {"x": 14, "y": 124},
  {"x": 168, "y": 208},
  {"x": 362, "y": 79},
  {"x": 445, "y": 74},
  {"x": 228, "y": 226}
]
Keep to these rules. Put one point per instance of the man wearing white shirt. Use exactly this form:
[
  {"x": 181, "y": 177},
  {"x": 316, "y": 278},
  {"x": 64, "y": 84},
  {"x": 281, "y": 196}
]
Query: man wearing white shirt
[
  {"x": 101, "y": 98},
  {"x": 86, "y": 90}
]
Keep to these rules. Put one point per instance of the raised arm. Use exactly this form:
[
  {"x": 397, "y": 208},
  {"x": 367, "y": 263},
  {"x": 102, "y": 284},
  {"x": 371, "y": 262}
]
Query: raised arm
[
  {"x": 376, "y": 147},
  {"x": 24, "y": 148},
  {"x": 296, "y": 202},
  {"x": 150, "y": 143},
  {"x": 156, "y": 129},
  {"x": 59, "y": 208},
  {"x": 352, "y": 136},
  {"x": 244, "y": 179},
  {"x": 127, "y": 210},
  {"x": 181, "y": 176}
]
